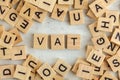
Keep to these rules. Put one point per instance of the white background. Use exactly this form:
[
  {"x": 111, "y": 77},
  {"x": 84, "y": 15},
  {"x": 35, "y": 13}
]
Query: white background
[{"x": 51, "y": 26}]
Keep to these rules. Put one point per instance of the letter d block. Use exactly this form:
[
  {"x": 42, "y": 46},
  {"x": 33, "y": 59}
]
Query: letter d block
[{"x": 46, "y": 72}]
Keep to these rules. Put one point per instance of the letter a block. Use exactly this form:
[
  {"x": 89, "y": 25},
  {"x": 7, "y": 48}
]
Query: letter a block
[
  {"x": 96, "y": 57},
  {"x": 61, "y": 67},
  {"x": 76, "y": 17},
  {"x": 46, "y": 72}
]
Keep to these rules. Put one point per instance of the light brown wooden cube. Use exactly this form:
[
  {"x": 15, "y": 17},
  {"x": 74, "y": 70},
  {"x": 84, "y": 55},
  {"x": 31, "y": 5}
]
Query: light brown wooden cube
[
  {"x": 108, "y": 76},
  {"x": 40, "y": 15},
  {"x": 66, "y": 2},
  {"x": 98, "y": 8},
  {"x": 32, "y": 76},
  {"x": 81, "y": 4},
  {"x": 32, "y": 63},
  {"x": 98, "y": 70},
  {"x": 59, "y": 12},
  {"x": 22, "y": 72},
  {"x": 91, "y": 14},
  {"x": 76, "y": 17},
  {"x": 85, "y": 71},
  {"x": 114, "y": 63},
  {"x": 93, "y": 29},
  {"x": 38, "y": 77},
  {"x": 4, "y": 10},
  {"x": 105, "y": 24},
  {"x": 1, "y": 29},
  {"x": 58, "y": 77},
  {"x": 96, "y": 57},
  {"x": 7, "y": 71},
  {"x": 89, "y": 49},
  {"x": 100, "y": 41},
  {"x": 7, "y": 39},
  {"x": 24, "y": 25},
  {"x": 18, "y": 38},
  {"x": 73, "y": 41},
  {"x": 106, "y": 66},
  {"x": 28, "y": 11},
  {"x": 116, "y": 37},
  {"x": 12, "y": 17},
  {"x": 19, "y": 52},
  {"x": 57, "y": 42},
  {"x": 40, "y": 41},
  {"x": 61, "y": 67},
  {"x": 114, "y": 16},
  {"x": 46, "y": 72}
]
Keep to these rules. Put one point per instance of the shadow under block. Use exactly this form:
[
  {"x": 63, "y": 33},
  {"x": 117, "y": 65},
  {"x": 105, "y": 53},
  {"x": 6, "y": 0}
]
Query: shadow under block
[
  {"x": 12, "y": 17},
  {"x": 85, "y": 71},
  {"x": 57, "y": 42},
  {"x": 40, "y": 41},
  {"x": 7, "y": 71},
  {"x": 46, "y": 72},
  {"x": 76, "y": 17},
  {"x": 18, "y": 38},
  {"x": 105, "y": 24},
  {"x": 22, "y": 72},
  {"x": 73, "y": 41},
  {"x": 61, "y": 67},
  {"x": 32, "y": 63},
  {"x": 96, "y": 57},
  {"x": 28, "y": 11},
  {"x": 7, "y": 39},
  {"x": 65, "y": 2},
  {"x": 81, "y": 4},
  {"x": 59, "y": 12}
]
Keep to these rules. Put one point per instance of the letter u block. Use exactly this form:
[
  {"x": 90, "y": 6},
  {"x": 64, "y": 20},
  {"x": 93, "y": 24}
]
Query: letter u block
[{"x": 61, "y": 67}]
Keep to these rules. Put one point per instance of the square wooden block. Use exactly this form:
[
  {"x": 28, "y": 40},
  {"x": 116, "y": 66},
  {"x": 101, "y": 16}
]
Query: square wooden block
[
  {"x": 28, "y": 11},
  {"x": 18, "y": 38},
  {"x": 114, "y": 63},
  {"x": 100, "y": 41},
  {"x": 96, "y": 57},
  {"x": 76, "y": 17},
  {"x": 22, "y": 72},
  {"x": 7, "y": 39},
  {"x": 98, "y": 70},
  {"x": 114, "y": 16},
  {"x": 66, "y": 2},
  {"x": 93, "y": 29},
  {"x": 98, "y": 8},
  {"x": 40, "y": 15},
  {"x": 116, "y": 37},
  {"x": 73, "y": 41},
  {"x": 7, "y": 71},
  {"x": 108, "y": 76},
  {"x": 19, "y": 52},
  {"x": 57, "y": 41},
  {"x": 91, "y": 14},
  {"x": 111, "y": 49},
  {"x": 24, "y": 25},
  {"x": 4, "y": 10},
  {"x": 40, "y": 41},
  {"x": 85, "y": 70},
  {"x": 46, "y": 72},
  {"x": 58, "y": 77},
  {"x": 12, "y": 17},
  {"x": 59, "y": 12},
  {"x": 61, "y": 67},
  {"x": 76, "y": 65},
  {"x": 32, "y": 63},
  {"x": 105, "y": 24},
  {"x": 1, "y": 29},
  {"x": 81, "y": 4}
]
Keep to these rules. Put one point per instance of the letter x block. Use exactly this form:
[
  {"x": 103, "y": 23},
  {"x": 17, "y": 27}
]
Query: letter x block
[{"x": 61, "y": 67}]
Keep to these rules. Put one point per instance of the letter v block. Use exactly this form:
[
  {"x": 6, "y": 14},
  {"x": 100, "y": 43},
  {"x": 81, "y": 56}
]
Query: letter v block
[
  {"x": 40, "y": 41},
  {"x": 96, "y": 57},
  {"x": 76, "y": 17},
  {"x": 61, "y": 67}
]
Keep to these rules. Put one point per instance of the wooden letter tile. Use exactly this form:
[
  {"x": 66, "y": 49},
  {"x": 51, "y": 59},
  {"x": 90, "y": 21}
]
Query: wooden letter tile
[
  {"x": 4, "y": 2},
  {"x": 73, "y": 41},
  {"x": 59, "y": 12},
  {"x": 57, "y": 42},
  {"x": 32, "y": 63},
  {"x": 40, "y": 41},
  {"x": 22, "y": 72},
  {"x": 66, "y": 2},
  {"x": 89, "y": 49},
  {"x": 20, "y": 5},
  {"x": 98, "y": 70},
  {"x": 76, "y": 17},
  {"x": 38, "y": 77},
  {"x": 61, "y": 67},
  {"x": 81, "y": 4},
  {"x": 46, "y": 72},
  {"x": 32, "y": 76},
  {"x": 96, "y": 57}
]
